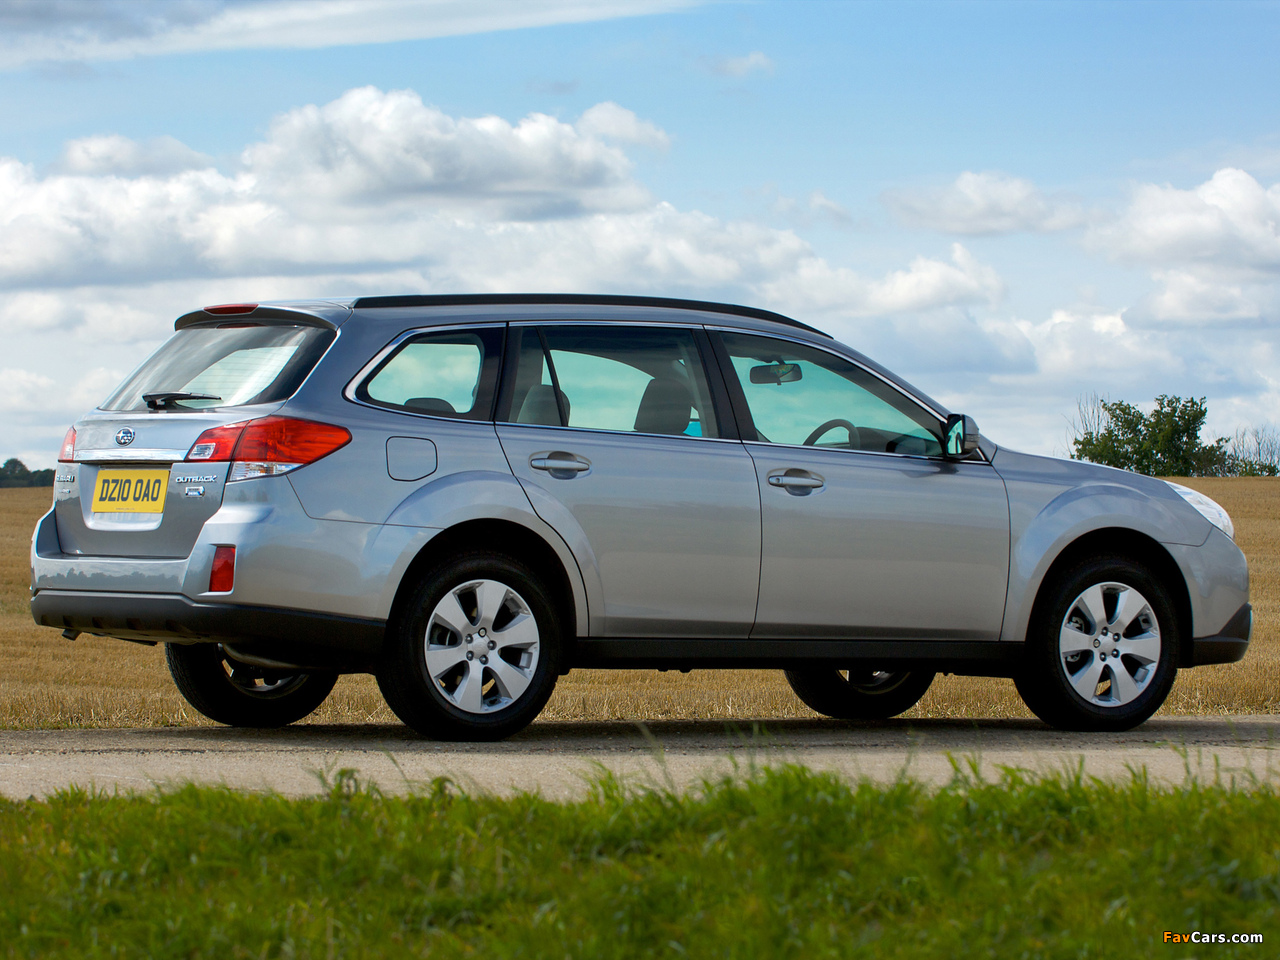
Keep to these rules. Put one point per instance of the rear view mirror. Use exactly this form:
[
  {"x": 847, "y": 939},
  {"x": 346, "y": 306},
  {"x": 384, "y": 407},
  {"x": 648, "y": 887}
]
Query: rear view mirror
[
  {"x": 776, "y": 373},
  {"x": 960, "y": 438}
]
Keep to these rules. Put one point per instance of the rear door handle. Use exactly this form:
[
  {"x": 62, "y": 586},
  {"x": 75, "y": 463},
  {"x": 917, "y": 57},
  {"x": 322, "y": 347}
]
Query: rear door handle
[{"x": 559, "y": 462}]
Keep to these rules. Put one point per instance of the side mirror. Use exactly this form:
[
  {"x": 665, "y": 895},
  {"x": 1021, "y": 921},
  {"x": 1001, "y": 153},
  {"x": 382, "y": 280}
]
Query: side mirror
[
  {"x": 776, "y": 373},
  {"x": 960, "y": 438}
]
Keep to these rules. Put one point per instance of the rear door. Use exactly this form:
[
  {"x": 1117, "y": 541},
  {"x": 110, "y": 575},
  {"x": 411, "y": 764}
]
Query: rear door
[
  {"x": 867, "y": 531},
  {"x": 613, "y": 432},
  {"x": 128, "y": 492}
]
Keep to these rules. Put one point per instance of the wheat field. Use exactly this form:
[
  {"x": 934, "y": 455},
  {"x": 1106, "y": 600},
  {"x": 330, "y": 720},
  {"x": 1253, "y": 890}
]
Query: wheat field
[{"x": 46, "y": 681}]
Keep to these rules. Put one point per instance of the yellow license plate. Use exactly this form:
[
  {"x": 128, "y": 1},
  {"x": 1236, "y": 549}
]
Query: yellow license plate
[{"x": 130, "y": 491}]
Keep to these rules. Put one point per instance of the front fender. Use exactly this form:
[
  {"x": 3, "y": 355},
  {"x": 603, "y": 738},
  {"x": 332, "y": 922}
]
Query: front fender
[{"x": 1054, "y": 503}]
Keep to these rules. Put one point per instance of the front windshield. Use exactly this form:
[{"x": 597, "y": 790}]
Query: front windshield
[{"x": 223, "y": 365}]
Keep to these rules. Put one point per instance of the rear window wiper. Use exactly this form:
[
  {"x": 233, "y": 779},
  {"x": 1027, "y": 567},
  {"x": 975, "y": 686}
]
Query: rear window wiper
[{"x": 159, "y": 401}]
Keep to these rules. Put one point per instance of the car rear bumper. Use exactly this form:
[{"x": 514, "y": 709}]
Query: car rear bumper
[
  {"x": 1229, "y": 645},
  {"x": 304, "y": 638}
]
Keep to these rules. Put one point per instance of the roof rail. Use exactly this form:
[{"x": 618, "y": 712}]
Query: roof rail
[{"x": 612, "y": 300}]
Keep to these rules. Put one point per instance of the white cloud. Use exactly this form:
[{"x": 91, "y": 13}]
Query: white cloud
[
  {"x": 1230, "y": 223},
  {"x": 374, "y": 147},
  {"x": 824, "y": 206},
  {"x": 1213, "y": 250},
  {"x": 38, "y": 30},
  {"x": 114, "y": 154},
  {"x": 984, "y": 204},
  {"x": 22, "y": 390},
  {"x": 753, "y": 62},
  {"x": 608, "y": 121},
  {"x": 377, "y": 181},
  {"x": 1186, "y": 297},
  {"x": 925, "y": 285}
]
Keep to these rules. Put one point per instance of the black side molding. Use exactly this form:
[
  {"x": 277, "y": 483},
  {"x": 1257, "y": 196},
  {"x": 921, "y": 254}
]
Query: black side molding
[
  {"x": 980, "y": 658},
  {"x": 1229, "y": 645},
  {"x": 322, "y": 641}
]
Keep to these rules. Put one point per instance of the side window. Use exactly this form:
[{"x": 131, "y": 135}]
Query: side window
[
  {"x": 803, "y": 396},
  {"x": 449, "y": 374},
  {"x": 630, "y": 379}
]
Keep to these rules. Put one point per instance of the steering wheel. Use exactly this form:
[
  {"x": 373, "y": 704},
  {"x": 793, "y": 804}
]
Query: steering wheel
[{"x": 831, "y": 425}]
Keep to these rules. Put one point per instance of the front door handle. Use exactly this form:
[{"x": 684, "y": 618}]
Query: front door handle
[
  {"x": 557, "y": 462},
  {"x": 798, "y": 482}
]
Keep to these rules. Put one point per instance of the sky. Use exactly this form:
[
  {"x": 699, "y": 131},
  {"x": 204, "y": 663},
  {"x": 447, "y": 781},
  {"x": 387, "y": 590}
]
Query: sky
[{"x": 1011, "y": 205}]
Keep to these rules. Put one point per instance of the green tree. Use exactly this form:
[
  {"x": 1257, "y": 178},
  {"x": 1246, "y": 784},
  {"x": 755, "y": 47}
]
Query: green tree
[
  {"x": 14, "y": 473},
  {"x": 1163, "y": 443}
]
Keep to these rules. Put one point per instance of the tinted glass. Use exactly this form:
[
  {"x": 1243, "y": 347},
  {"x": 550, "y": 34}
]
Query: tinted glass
[
  {"x": 233, "y": 364},
  {"x": 794, "y": 391},
  {"x": 442, "y": 374},
  {"x": 632, "y": 379}
]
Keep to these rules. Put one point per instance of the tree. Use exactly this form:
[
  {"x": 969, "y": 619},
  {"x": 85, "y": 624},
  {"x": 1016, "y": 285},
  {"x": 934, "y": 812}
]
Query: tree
[
  {"x": 1164, "y": 443},
  {"x": 14, "y": 473}
]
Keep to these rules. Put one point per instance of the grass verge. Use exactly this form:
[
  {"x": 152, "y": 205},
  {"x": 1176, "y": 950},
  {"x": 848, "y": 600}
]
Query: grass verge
[{"x": 783, "y": 863}]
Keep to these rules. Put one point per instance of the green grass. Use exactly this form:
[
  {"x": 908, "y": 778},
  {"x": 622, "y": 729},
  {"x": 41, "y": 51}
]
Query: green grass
[{"x": 787, "y": 863}]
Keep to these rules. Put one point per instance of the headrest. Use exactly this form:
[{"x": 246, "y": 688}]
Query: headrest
[
  {"x": 540, "y": 406},
  {"x": 665, "y": 407},
  {"x": 431, "y": 405}
]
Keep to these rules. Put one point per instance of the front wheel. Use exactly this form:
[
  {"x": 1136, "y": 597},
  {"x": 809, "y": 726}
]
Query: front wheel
[
  {"x": 475, "y": 653},
  {"x": 1102, "y": 648},
  {"x": 240, "y": 694},
  {"x": 859, "y": 693}
]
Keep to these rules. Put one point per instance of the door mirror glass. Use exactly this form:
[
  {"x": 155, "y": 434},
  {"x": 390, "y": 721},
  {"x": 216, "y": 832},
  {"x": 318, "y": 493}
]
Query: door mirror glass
[
  {"x": 776, "y": 373},
  {"x": 961, "y": 436}
]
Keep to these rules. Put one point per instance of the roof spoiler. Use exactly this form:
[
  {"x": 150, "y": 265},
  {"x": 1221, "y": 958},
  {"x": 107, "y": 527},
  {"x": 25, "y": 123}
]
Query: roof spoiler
[{"x": 247, "y": 313}]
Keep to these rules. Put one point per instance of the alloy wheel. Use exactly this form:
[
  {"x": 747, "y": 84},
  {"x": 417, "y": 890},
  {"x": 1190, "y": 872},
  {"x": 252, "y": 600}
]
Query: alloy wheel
[
  {"x": 1109, "y": 644},
  {"x": 481, "y": 646}
]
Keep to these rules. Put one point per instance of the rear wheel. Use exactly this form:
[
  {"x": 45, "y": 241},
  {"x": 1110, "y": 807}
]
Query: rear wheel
[
  {"x": 1102, "y": 649},
  {"x": 476, "y": 651},
  {"x": 240, "y": 694},
  {"x": 859, "y": 693}
]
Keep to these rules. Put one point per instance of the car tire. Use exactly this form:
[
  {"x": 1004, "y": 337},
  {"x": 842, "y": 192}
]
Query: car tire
[
  {"x": 1102, "y": 647},
  {"x": 475, "y": 652},
  {"x": 859, "y": 693},
  {"x": 239, "y": 694}
]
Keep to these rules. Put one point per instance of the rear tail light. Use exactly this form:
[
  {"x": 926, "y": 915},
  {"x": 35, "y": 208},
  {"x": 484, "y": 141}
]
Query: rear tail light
[
  {"x": 68, "y": 453},
  {"x": 217, "y": 443},
  {"x": 222, "y": 578},
  {"x": 268, "y": 447}
]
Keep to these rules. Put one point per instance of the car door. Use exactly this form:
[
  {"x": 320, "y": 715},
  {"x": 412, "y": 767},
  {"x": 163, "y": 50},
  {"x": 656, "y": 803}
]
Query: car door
[
  {"x": 614, "y": 434},
  {"x": 867, "y": 531}
]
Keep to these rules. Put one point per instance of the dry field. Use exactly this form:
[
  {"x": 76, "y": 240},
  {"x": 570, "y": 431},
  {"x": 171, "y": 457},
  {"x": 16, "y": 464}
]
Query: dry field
[{"x": 47, "y": 682}]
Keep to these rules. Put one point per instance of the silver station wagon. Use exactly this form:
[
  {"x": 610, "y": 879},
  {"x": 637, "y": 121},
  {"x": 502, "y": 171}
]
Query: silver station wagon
[{"x": 468, "y": 496}]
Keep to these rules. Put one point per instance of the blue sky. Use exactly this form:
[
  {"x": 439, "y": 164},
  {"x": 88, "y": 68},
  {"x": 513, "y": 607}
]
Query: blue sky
[{"x": 1010, "y": 204}]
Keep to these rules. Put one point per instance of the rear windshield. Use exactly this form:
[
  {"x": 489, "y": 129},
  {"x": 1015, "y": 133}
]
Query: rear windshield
[{"x": 225, "y": 365}]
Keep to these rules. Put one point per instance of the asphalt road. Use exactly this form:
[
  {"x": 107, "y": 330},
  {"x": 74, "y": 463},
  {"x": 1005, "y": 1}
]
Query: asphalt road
[{"x": 560, "y": 759}]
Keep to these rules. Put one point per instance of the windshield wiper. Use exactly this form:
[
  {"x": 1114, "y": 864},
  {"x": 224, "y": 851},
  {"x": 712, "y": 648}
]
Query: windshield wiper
[{"x": 159, "y": 401}]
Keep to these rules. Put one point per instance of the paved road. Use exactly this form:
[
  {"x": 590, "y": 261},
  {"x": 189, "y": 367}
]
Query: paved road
[{"x": 559, "y": 759}]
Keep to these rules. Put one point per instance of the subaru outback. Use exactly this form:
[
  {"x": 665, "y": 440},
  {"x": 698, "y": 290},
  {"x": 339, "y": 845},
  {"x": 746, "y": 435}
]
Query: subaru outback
[{"x": 468, "y": 496}]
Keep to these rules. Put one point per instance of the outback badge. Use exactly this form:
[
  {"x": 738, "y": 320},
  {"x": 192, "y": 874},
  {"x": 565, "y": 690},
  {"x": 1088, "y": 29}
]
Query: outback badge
[{"x": 124, "y": 436}]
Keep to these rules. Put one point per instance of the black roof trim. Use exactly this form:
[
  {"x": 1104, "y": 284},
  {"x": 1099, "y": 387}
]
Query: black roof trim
[{"x": 609, "y": 300}]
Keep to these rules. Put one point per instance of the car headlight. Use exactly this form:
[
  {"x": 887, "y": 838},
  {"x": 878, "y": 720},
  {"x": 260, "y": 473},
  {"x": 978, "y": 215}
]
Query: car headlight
[{"x": 1211, "y": 510}]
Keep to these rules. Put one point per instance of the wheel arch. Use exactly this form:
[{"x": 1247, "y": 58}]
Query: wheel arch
[
  {"x": 1127, "y": 544},
  {"x": 512, "y": 539}
]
